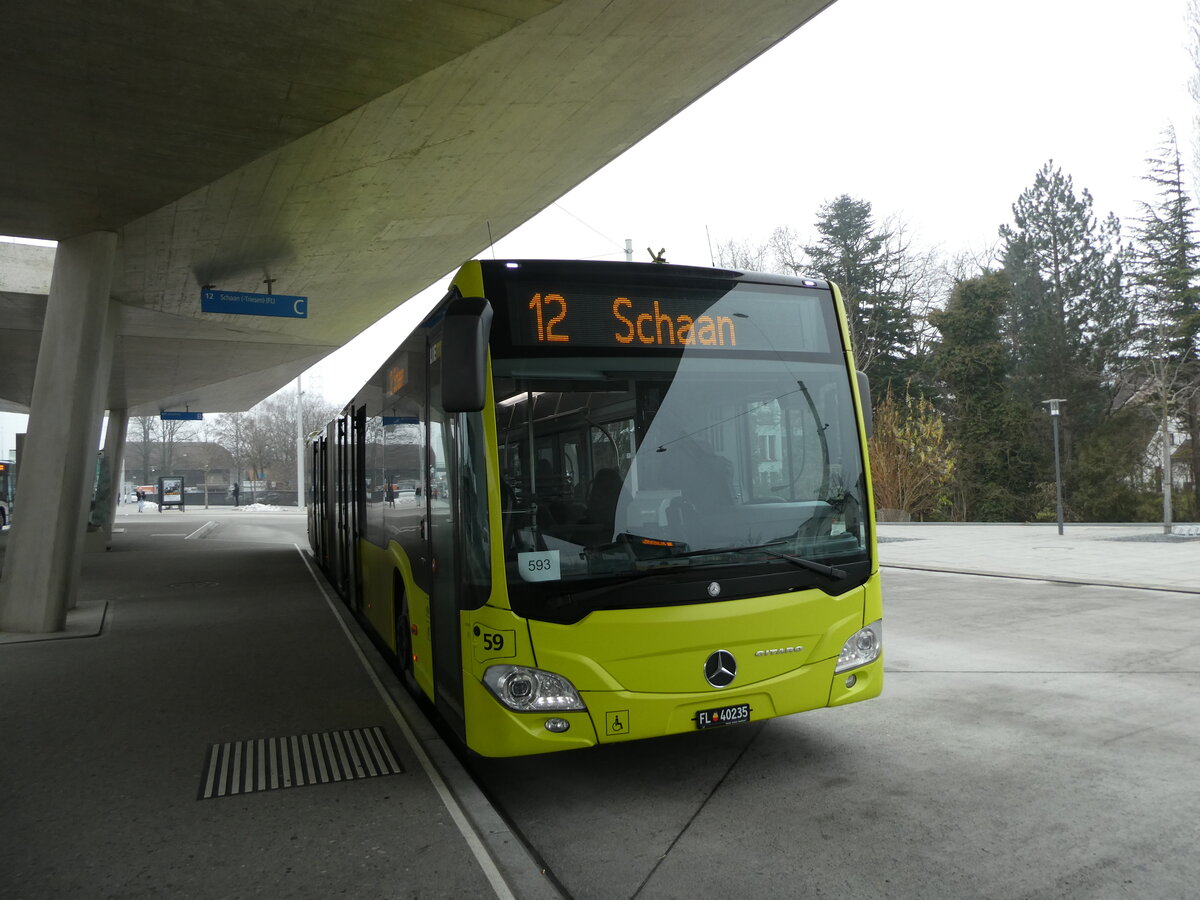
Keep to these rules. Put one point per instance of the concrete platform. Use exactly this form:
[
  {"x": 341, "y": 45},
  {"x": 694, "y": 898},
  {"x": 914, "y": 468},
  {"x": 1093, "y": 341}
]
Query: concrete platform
[
  {"x": 197, "y": 642},
  {"x": 1139, "y": 556}
]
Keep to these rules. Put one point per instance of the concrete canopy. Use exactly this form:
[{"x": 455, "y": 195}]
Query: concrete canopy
[{"x": 352, "y": 152}]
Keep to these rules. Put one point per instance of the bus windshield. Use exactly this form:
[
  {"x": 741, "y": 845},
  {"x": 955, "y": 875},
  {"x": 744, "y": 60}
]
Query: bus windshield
[{"x": 630, "y": 479}]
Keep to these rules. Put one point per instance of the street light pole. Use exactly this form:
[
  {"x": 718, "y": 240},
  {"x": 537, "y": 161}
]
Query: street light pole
[
  {"x": 1168, "y": 477},
  {"x": 1166, "y": 373},
  {"x": 1054, "y": 416},
  {"x": 299, "y": 445}
]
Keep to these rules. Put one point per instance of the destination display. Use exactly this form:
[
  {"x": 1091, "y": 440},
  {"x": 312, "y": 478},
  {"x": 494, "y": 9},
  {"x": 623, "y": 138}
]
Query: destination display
[
  {"x": 242, "y": 303},
  {"x": 570, "y": 316}
]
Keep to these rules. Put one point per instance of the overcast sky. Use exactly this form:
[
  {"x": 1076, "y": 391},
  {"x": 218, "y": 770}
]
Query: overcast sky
[{"x": 939, "y": 111}]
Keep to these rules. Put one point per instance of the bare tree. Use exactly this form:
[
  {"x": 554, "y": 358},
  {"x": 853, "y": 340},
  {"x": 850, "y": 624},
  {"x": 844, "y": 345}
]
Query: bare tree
[
  {"x": 912, "y": 458},
  {"x": 788, "y": 250},
  {"x": 230, "y": 432},
  {"x": 1170, "y": 381},
  {"x": 172, "y": 432},
  {"x": 967, "y": 264},
  {"x": 274, "y": 425},
  {"x": 153, "y": 441},
  {"x": 916, "y": 279},
  {"x": 742, "y": 255},
  {"x": 263, "y": 439},
  {"x": 140, "y": 437}
]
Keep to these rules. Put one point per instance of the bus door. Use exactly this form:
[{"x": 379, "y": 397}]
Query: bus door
[
  {"x": 441, "y": 517},
  {"x": 349, "y": 502},
  {"x": 330, "y": 485},
  {"x": 318, "y": 513},
  {"x": 358, "y": 512}
]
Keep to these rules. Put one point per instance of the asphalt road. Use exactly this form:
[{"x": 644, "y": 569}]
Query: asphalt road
[{"x": 1033, "y": 740}]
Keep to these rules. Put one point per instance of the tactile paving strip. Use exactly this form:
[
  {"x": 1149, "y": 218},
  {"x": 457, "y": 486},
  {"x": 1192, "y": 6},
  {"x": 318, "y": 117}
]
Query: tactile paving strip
[{"x": 268, "y": 764}]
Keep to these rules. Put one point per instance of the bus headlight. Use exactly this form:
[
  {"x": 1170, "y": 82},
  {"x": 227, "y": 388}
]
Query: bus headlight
[
  {"x": 864, "y": 647},
  {"x": 524, "y": 689}
]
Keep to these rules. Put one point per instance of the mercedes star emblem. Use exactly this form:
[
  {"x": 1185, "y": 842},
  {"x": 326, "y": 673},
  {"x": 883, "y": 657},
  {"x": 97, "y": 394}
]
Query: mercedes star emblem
[{"x": 720, "y": 669}]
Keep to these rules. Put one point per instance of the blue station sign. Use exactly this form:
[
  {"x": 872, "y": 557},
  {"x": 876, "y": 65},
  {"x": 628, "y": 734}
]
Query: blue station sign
[
  {"x": 179, "y": 415},
  {"x": 240, "y": 303}
]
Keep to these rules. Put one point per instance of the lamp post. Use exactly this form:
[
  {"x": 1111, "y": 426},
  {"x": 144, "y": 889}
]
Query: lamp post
[
  {"x": 1165, "y": 376},
  {"x": 1054, "y": 415},
  {"x": 1168, "y": 477},
  {"x": 299, "y": 445}
]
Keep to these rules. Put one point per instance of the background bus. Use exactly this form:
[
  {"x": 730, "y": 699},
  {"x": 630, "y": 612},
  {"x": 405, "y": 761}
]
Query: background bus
[{"x": 641, "y": 504}]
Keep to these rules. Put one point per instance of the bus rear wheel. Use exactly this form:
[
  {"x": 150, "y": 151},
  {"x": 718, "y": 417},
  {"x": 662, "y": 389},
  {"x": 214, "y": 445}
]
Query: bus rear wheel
[{"x": 404, "y": 645}]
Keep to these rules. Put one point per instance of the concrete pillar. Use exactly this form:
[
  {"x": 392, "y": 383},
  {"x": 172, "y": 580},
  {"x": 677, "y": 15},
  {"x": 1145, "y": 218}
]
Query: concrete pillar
[
  {"x": 114, "y": 457},
  {"x": 93, "y": 535},
  {"x": 42, "y": 564},
  {"x": 95, "y": 389}
]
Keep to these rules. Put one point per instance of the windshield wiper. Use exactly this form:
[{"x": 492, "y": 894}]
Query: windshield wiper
[
  {"x": 819, "y": 568},
  {"x": 809, "y": 564}
]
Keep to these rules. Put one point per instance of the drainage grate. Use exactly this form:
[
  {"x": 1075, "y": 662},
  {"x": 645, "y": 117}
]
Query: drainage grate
[{"x": 267, "y": 764}]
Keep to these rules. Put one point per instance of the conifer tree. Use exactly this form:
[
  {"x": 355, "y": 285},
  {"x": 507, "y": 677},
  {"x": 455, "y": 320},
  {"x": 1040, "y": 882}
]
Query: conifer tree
[
  {"x": 994, "y": 434},
  {"x": 1068, "y": 320},
  {"x": 873, "y": 270},
  {"x": 1066, "y": 316},
  {"x": 1165, "y": 273}
]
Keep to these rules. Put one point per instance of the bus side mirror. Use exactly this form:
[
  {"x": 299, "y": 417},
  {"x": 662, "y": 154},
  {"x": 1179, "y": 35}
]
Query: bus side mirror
[
  {"x": 465, "y": 330},
  {"x": 864, "y": 396}
]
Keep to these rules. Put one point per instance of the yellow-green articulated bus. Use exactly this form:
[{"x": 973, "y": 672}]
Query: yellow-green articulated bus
[{"x": 593, "y": 502}]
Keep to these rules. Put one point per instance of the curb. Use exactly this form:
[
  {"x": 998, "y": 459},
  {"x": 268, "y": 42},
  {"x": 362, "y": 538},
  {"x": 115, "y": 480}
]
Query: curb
[
  {"x": 521, "y": 871},
  {"x": 1050, "y": 578}
]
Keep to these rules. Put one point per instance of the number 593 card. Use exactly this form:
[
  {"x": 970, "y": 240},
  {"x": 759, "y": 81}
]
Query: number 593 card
[{"x": 539, "y": 566}]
